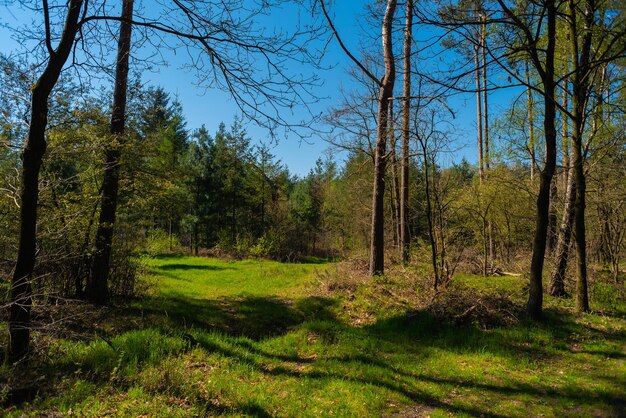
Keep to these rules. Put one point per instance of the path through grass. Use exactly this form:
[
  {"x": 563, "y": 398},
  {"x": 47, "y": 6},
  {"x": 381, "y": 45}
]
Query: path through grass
[{"x": 256, "y": 338}]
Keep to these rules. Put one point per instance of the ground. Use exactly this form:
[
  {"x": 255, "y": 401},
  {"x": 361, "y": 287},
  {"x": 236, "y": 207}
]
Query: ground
[{"x": 261, "y": 338}]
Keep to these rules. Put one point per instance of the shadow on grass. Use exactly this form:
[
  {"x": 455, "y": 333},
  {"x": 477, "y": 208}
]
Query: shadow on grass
[
  {"x": 247, "y": 316},
  {"x": 316, "y": 260},
  {"x": 181, "y": 323},
  {"x": 187, "y": 267}
]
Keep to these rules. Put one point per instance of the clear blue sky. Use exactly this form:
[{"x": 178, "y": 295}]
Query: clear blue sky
[{"x": 214, "y": 106}]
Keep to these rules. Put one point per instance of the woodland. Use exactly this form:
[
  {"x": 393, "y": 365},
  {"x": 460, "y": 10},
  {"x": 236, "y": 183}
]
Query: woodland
[{"x": 152, "y": 269}]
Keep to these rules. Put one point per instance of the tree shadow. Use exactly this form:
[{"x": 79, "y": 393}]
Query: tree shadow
[
  {"x": 432, "y": 333},
  {"x": 412, "y": 333},
  {"x": 186, "y": 267},
  {"x": 248, "y": 316}
]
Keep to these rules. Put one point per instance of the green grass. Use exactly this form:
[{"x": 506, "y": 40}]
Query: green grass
[
  {"x": 258, "y": 338},
  {"x": 205, "y": 278}
]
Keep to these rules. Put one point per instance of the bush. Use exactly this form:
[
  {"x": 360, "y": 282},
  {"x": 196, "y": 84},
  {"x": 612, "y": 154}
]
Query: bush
[{"x": 158, "y": 242}]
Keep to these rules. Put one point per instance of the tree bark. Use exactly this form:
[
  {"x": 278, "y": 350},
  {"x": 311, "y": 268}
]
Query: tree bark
[
  {"x": 395, "y": 200},
  {"x": 565, "y": 133},
  {"x": 557, "y": 281},
  {"x": 483, "y": 37},
  {"x": 406, "y": 118},
  {"x": 35, "y": 147},
  {"x": 531, "y": 126},
  {"x": 486, "y": 156},
  {"x": 377, "y": 247},
  {"x": 552, "y": 227},
  {"x": 535, "y": 295},
  {"x": 97, "y": 285},
  {"x": 580, "y": 93},
  {"x": 479, "y": 113},
  {"x": 429, "y": 213}
]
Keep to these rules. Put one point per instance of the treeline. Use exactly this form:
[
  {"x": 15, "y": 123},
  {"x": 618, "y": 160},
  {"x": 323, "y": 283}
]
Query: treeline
[
  {"x": 224, "y": 193},
  {"x": 179, "y": 189}
]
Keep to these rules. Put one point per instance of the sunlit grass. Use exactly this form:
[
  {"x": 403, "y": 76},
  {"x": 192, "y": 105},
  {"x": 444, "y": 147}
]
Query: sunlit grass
[
  {"x": 252, "y": 338},
  {"x": 205, "y": 278}
]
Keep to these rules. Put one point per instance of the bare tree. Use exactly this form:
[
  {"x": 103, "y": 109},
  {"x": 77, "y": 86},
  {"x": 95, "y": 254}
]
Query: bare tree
[
  {"x": 386, "y": 84},
  {"x": 406, "y": 119}
]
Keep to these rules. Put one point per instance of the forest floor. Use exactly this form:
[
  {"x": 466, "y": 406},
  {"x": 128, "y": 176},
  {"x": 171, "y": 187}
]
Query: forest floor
[{"x": 260, "y": 338}]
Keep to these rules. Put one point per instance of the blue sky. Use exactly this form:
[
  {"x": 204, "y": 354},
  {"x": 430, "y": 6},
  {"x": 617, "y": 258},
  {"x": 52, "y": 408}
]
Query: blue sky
[{"x": 214, "y": 106}]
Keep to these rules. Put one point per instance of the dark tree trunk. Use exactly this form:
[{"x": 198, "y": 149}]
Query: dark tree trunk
[
  {"x": 97, "y": 285},
  {"x": 21, "y": 291},
  {"x": 377, "y": 247},
  {"x": 535, "y": 296},
  {"x": 552, "y": 228},
  {"x": 582, "y": 298},
  {"x": 565, "y": 135},
  {"x": 430, "y": 216},
  {"x": 406, "y": 118}
]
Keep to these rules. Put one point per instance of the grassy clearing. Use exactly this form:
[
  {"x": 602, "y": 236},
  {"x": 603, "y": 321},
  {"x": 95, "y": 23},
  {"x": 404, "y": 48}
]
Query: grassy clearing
[{"x": 257, "y": 338}]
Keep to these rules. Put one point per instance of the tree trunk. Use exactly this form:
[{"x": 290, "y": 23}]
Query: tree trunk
[
  {"x": 535, "y": 296},
  {"x": 486, "y": 156},
  {"x": 557, "y": 281},
  {"x": 582, "y": 298},
  {"x": 395, "y": 200},
  {"x": 430, "y": 216},
  {"x": 97, "y": 284},
  {"x": 552, "y": 228},
  {"x": 565, "y": 134},
  {"x": 377, "y": 247},
  {"x": 580, "y": 93},
  {"x": 35, "y": 147},
  {"x": 406, "y": 117},
  {"x": 479, "y": 113},
  {"x": 169, "y": 229},
  {"x": 531, "y": 126},
  {"x": 483, "y": 36}
]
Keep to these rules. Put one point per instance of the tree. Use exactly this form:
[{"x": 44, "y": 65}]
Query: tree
[
  {"x": 97, "y": 288},
  {"x": 386, "y": 84},
  {"x": 34, "y": 149},
  {"x": 406, "y": 120},
  {"x": 527, "y": 23}
]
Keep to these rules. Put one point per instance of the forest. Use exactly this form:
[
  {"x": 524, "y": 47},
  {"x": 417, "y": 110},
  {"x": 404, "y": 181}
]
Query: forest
[{"x": 458, "y": 249}]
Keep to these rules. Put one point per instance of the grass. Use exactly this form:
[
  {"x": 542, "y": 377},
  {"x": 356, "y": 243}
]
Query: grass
[{"x": 258, "y": 338}]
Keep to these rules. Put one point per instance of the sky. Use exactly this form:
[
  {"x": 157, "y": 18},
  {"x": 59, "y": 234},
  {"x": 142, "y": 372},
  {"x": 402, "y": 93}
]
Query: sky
[{"x": 209, "y": 108}]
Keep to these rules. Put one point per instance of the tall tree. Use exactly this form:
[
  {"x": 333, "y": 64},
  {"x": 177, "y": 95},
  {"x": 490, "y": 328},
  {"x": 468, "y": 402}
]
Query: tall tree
[
  {"x": 385, "y": 92},
  {"x": 97, "y": 288},
  {"x": 529, "y": 26},
  {"x": 377, "y": 246},
  {"x": 34, "y": 149},
  {"x": 406, "y": 119},
  {"x": 581, "y": 63}
]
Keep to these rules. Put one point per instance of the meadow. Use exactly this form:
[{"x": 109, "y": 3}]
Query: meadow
[{"x": 260, "y": 338}]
